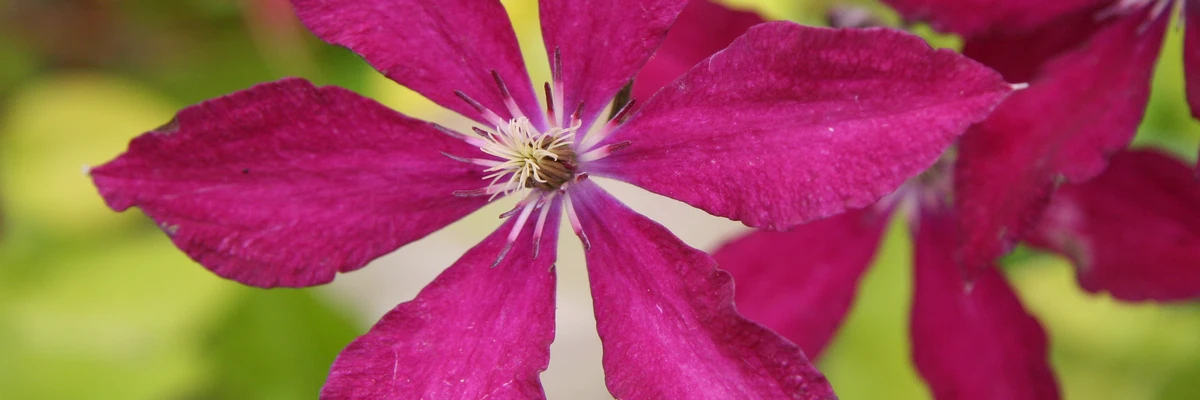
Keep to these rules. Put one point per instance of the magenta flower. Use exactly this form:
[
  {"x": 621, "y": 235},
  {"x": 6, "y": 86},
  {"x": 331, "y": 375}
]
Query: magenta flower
[
  {"x": 1089, "y": 65},
  {"x": 287, "y": 184},
  {"x": 977, "y": 341},
  {"x": 1133, "y": 231}
]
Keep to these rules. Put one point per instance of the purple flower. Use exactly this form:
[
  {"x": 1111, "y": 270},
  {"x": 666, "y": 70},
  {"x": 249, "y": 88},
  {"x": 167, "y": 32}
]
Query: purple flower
[
  {"x": 287, "y": 184},
  {"x": 1089, "y": 64},
  {"x": 1133, "y": 231}
]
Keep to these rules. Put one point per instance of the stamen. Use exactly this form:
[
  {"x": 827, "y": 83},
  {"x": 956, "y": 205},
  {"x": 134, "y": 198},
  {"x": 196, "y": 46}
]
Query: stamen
[
  {"x": 488, "y": 190},
  {"x": 599, "y": 136},
  {"x": 454, "y": 134},
  {"x": 515, "y": 232},
  {"x": 575, "y": 225},
  {"x": 508, "y": 100},
  {"x": 521, "y": 204},
  {"x": 541, "y": 223},
  {"x": 550, "y": 105},
  {"x": 477, "y": 161},
  {"x": 602, "y": 152},
  {"x": 488, "y": 115},
  {"x": 556, "y": 75}
]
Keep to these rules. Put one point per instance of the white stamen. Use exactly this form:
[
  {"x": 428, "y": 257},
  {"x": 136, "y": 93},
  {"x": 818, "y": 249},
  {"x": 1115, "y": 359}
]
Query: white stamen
[{"x": 521, "y": 148}]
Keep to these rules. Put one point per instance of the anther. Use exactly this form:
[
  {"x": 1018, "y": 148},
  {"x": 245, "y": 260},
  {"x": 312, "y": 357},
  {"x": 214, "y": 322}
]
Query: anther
[
  {"x": 574, "y": 219},
  {"x": 599, "y": 136},
  {"x": 599, "y": 153},
  {"x": 454, "y": 134},
  {"x": 550, "y": 104},
  {"x": 488, "y": 115},
  {"x": 475, "y": 161},
  {"x": 508, "y": 100}
]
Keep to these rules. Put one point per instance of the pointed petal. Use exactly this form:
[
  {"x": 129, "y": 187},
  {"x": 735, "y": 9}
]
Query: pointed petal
[
  {"x": 286, "y": 184},
  {"x": 1084, "y": 106},
  {"x": 971, "y": 17},
  {"x": 977, "y": 342},
  {"x": 794, "y": 123},
  {"x": 666, "y": 318},
  {"x": 434, "y": 47},
  {"x": 1191, "y": 54},
  {"x": 703, "y": 28},
  {"x": 801, "y": 283},
  {"x": 476, "y": 332},
  {"x": 1133, "y": 231},
  {"x": 603, "y": 43}
]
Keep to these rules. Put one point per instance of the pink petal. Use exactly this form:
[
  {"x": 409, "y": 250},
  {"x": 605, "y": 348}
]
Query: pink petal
[
  {"x": 801, "y": 283},
  {"x": 703, "y": 28},
  {"x": 434, "y": 47},
  {"x": 603, "y": 43},
  {"x": 1085, "y": 105},
  {"x": 1191, "y": 54},
  {"x": 666, "y": 318},
  {"x": 976, "y": 342},
  {"x": 794, "y": 123},
  {"x": 1133, "y": 231},
  {"x": 1020, "y": 55},
  {"x": 971, "y": 17},
  {"x": 476, "y": 332},
  {"x": 285, "y": 184}
]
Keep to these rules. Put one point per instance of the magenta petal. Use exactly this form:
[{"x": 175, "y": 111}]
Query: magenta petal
[
  {"x": 794, "y": 123},
  {"x": 1191, "y": 54},
  {"x": 434, "y": 47},
  {"x": 1020, "y": 55},
  {"x": 1133, "y": 231},
  {"x": 1085, "y": 105},
  {"x": 703, "y": 28},
  {"x": 285, "y": 184},
  {"x": 971, "y": 17},
  {"x": 802, "y": 282},
  {"x": 602, "y": 43},
  {"x": 974, "y": 343},
  {"x": 666, "y": 318},
  {"x": 476, "y": 332}
]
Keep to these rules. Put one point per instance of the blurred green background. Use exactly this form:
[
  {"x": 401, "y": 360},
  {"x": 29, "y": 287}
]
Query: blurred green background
[{"x": 99, "y": 305}]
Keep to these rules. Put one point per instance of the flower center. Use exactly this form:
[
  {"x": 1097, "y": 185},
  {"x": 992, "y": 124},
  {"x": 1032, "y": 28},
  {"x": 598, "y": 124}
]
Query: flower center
[{"x": 530, "y": 158}]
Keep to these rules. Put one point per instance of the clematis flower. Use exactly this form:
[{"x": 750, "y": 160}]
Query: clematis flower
[
  {"x": 976, "y": 341},
  {"x": 1132, "y": 231},
  {"x": 1089, "y": 64},
  {"x": 288, "y": 184}
]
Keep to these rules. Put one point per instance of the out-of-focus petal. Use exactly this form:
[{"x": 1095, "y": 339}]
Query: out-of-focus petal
[
  {"x": 286, "y": 184},
  {"x": 478, "y": 331},
  {"x": 1191, "y": 54},
  {"x": 603, "y": 44},
  {"x": 1020, "y": 55},
  {"x": 802, "y": 282},
  {"x": 1084, "y": 106},
  {"x": 794, "y": 123},
  {"x": 972, "y": 17},
  {"x": 434, "y": 47},
  {"x": 703, "y": 28},
  {"x": 666, "y": 318},
  {"x": 972, "y": 342},
  {"x": 1133, "y": 231}
]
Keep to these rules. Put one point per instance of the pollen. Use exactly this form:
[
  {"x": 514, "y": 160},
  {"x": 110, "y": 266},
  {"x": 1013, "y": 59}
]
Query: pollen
[{"x": 530, "y": 158}]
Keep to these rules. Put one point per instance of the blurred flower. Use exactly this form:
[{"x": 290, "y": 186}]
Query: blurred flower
[
  {"x": 286, "y": 184},
  {"x": 1089, "y": 64},
  {"x": 1131, "y": 230}
]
